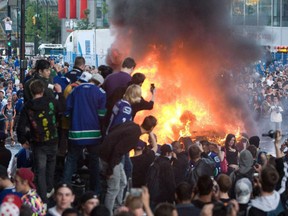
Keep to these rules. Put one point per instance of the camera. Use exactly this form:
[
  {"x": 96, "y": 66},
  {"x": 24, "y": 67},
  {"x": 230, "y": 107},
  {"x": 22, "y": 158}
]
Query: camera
[
  {"x": 50, "y": 86},
  {"x": 152, "y": 87},
  {"x": 271, "y": 134},
  {"x": 136, "y": 192}
]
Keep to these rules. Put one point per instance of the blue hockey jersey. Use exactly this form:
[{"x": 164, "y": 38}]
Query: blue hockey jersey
[
  {"x": 121, "y": 112},
  {"x": 86, "y": 105}
]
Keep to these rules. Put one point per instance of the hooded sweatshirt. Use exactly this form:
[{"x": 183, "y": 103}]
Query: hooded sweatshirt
[
  {"x": 245, "y": 161},
  {"x": 245, "y": 170},
  {"x": 267, "y": 204},
  {"x": 40, "y": 116}
]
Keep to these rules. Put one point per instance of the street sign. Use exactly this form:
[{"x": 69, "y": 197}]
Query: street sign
[{"x": 8, "y": 24}]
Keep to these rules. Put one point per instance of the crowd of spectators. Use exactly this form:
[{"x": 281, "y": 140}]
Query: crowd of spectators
[{"x": 76, "y": 128}]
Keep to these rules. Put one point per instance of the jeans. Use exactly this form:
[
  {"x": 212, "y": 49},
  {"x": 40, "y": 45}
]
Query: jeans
[
  {"x": 115, "y": 186},
  {"x": 44, "y": 161},
  {"x": 275, "y": 126},
  {"x": 74, "y": 153}
]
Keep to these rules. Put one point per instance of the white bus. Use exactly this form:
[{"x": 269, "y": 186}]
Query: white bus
[{"x": 46, "y": 50}]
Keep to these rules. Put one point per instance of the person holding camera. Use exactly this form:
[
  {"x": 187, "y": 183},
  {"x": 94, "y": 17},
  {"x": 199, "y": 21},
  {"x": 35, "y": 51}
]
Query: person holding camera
[
  {"x": 269, "y": 201},
  {"x": 42, "y": 72}
]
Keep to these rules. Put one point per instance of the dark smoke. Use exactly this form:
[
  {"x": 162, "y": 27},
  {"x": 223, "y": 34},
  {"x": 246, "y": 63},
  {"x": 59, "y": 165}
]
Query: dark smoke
[{"x": 201, "y": 34}]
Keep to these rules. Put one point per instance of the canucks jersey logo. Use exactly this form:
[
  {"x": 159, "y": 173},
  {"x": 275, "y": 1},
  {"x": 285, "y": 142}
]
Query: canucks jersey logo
[{"x": 127, "y": 110}]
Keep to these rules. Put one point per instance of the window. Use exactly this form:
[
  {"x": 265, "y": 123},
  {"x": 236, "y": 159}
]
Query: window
[
  {"x": 285, "y": 13},
  {"x": 276, "y": 12},
  {"x": 265, "y": 7},
  {"x": 238, "y": 12},
  {"x": 251, "y": 12}
]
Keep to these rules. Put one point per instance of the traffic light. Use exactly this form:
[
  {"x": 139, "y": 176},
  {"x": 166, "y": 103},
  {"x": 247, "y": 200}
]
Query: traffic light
[
  {"x": 34, "y": 20},
  {"x": 9, "y": 43}
]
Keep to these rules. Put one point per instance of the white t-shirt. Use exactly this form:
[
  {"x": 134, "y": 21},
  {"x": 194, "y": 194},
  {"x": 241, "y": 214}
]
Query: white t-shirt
[{"x": 53, "y": 211}]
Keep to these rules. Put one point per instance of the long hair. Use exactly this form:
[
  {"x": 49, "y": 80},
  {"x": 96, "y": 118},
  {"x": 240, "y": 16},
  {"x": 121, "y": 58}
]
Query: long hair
[
  {"x": 133, "y": 94},
  {"x": 228, "y": 139}
]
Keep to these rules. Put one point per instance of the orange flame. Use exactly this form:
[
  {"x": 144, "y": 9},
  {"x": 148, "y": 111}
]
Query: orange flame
[{"x": 179, "y": 115}]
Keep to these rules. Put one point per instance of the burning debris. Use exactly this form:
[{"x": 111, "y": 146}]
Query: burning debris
[{"x": 189, "y": 50}]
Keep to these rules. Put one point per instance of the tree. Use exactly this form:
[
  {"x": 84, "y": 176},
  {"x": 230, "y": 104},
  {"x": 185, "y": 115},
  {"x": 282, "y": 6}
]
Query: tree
[
  {"x": 84, "y": 24},
  {"x": 50, "y": 33}
]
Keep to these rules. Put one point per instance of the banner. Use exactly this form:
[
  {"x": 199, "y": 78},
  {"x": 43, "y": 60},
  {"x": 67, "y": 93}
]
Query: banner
[
  {"x": 73, "y": 4},
  {"x": 83, "y": 7},
  {"x": 61, "y": 9}
]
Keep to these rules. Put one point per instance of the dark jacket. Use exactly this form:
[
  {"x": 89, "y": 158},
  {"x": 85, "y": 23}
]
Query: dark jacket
[
  {"x": 203, "y": 166},
  {"x": 74, "y": 74},
  {"x": 27, "y": 93},
  {"x": 180, "y": 167},
  {"x": 120, "y": 141},
  {"x": 5, "y": 156},
  {"x": 142, "y": 105},
  {"x": 40, "y": 116},
  {"x": 166, "y": 182}
]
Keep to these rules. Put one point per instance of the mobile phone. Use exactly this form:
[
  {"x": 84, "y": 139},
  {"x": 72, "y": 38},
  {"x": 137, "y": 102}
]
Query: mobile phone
[
  {"x": 152, "y": 87},
  {"x": 136, "y": 192}
]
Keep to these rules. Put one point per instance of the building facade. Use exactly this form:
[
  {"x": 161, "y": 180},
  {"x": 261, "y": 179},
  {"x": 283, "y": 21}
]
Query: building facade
[
  {"x": 98, "y": 16},
  {"x": 264, "y": 20}
]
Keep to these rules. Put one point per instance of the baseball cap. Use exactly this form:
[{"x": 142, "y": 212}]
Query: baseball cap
[
  {"x": 61, "y": 185},
  {"x": 11, "y": 205},
  {"x": 87, "y": 196},
  {"x": 166, "y": 148},
  {"x": 98, "y": 78},
  {"x": 85, "y": 76},
  {"x": 243, "y": 190},
  {"x": 2, "y": 90},
  {"x": 26, "y": 174}
]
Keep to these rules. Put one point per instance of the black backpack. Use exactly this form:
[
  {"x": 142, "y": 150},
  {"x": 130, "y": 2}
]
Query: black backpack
[
  {"x": 238, "y": 176},
  {"x": 152, "y": 178}
]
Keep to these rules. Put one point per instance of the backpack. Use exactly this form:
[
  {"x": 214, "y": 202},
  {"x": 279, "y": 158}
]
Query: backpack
[
  {"x": 204, "y": 167},
  {"x": 237, "y": 176},
  {"x": 152, "y": 178}
]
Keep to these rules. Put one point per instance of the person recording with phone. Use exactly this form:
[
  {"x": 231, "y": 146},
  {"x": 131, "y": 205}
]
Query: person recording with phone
[
  {"x": 42, "y": 72},
  {"x": 143, "y": 104}
]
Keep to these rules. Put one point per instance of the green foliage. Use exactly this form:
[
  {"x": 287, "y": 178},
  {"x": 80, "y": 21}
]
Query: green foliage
[
  {"x": 84, "y": 24},
  {"x": 39, "y": 30}
]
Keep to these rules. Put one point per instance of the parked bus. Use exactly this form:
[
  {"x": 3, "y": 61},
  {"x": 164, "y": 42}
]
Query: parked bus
[{"x": 50, "y": 50}]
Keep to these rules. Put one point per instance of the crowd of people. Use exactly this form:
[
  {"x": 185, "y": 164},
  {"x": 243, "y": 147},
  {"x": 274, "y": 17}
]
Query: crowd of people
[{"x": 77, "y": 132}]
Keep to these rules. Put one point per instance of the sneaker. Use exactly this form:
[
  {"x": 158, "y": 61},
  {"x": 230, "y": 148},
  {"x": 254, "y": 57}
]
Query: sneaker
[{"x": 50, "y": 194}]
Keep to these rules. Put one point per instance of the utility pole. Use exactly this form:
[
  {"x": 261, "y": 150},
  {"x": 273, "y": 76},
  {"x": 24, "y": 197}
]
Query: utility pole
[
  {"x": 36, "y": 29},
  {"x": 9, "y": 32},
  {"x": 23, "y": 61},
  {"x": 47, "y": 11}
]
